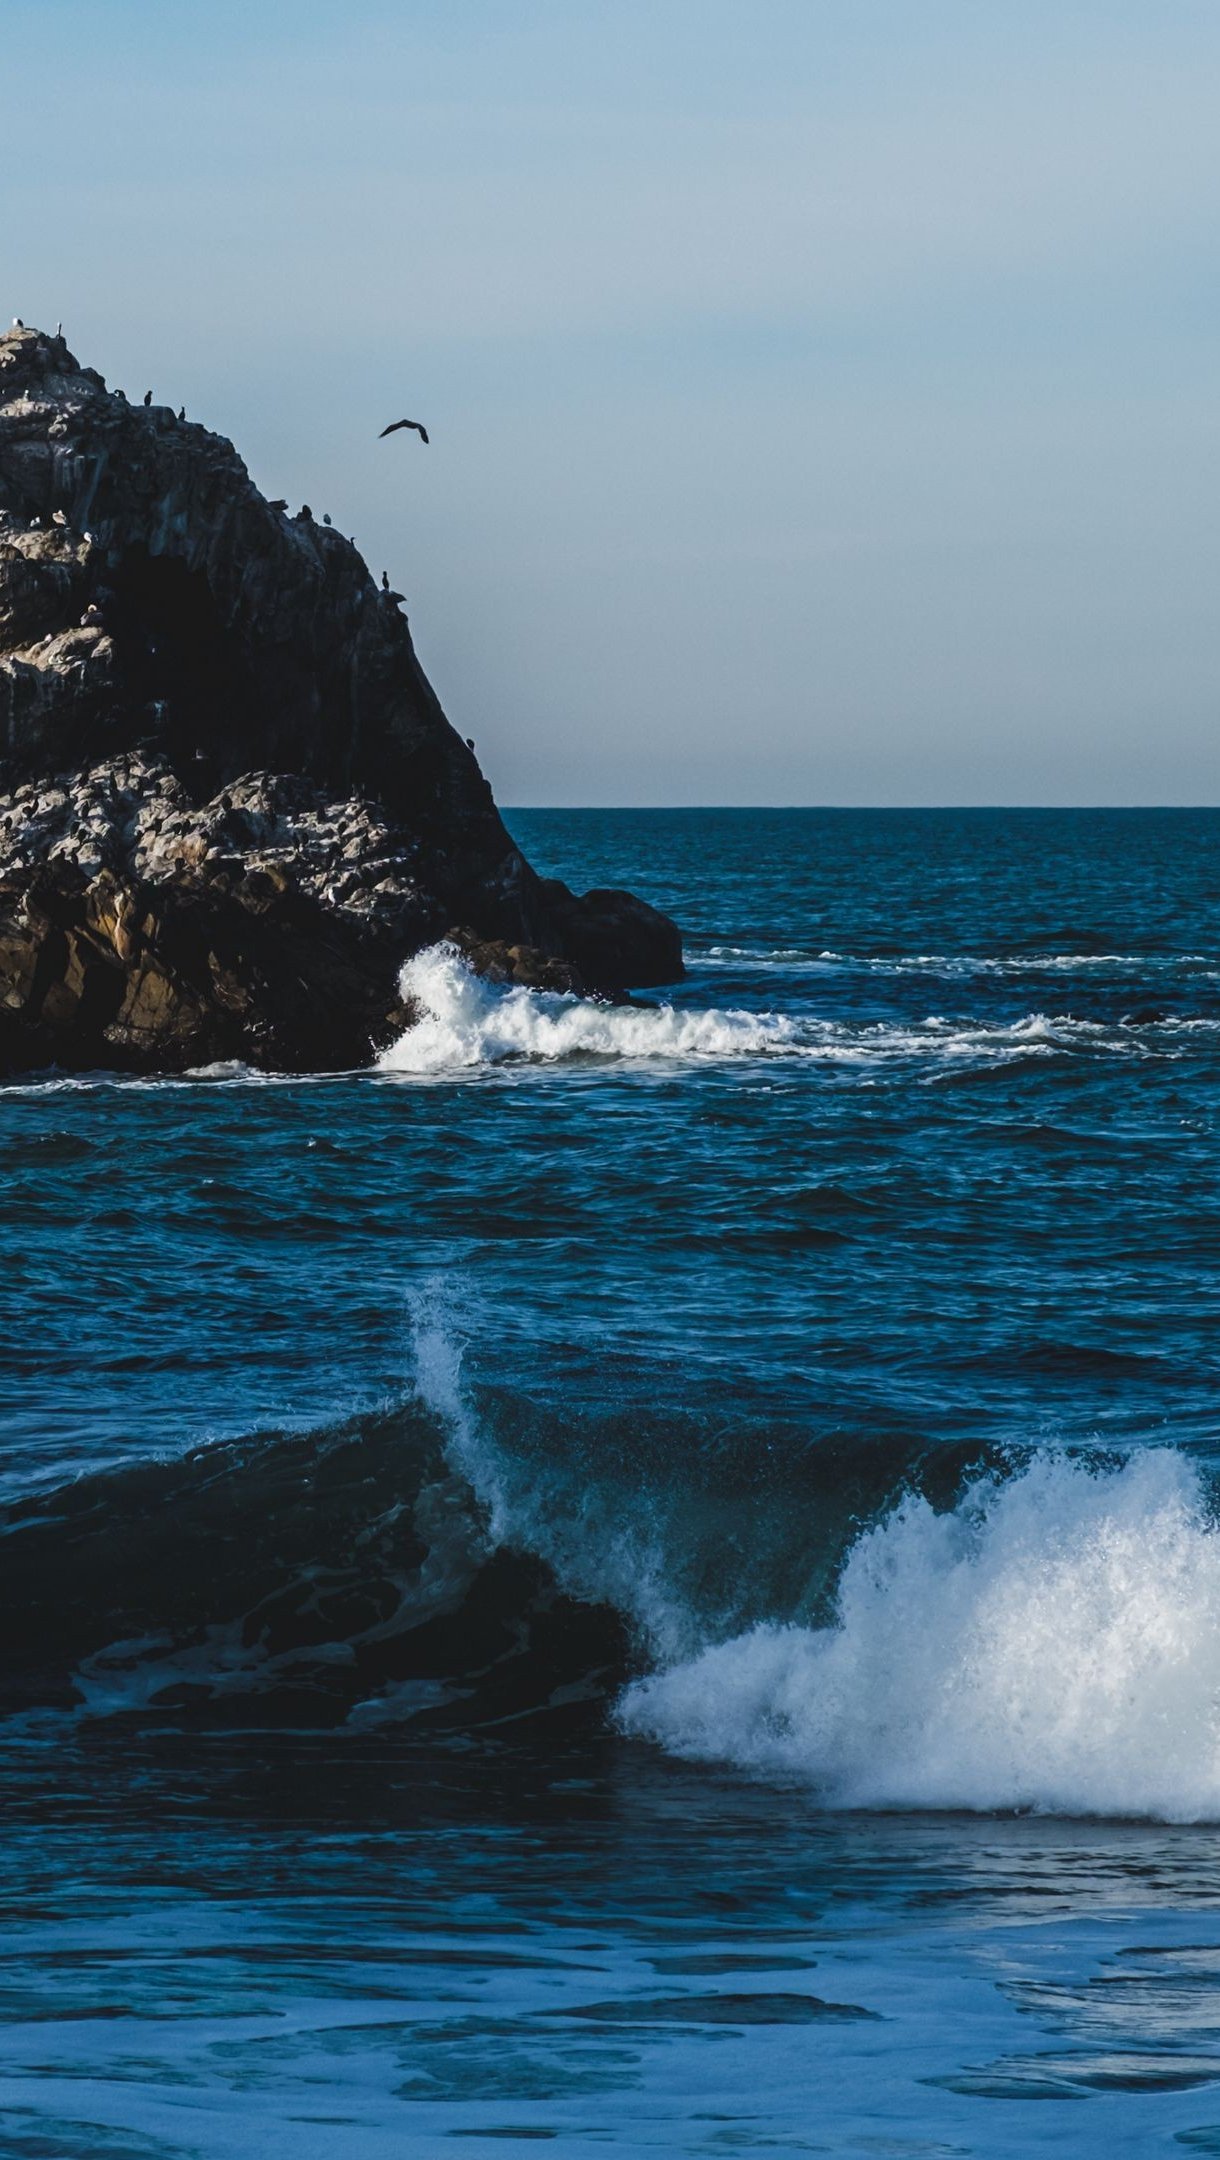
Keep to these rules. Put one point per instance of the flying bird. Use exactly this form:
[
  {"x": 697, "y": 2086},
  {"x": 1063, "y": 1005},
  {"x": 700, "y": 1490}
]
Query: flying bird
[{"x": 394, "y": 426}]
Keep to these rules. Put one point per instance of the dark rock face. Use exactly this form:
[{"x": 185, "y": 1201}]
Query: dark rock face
[
  {"x": 143, "y": 978},
  {"x": 234, "y": 806}
]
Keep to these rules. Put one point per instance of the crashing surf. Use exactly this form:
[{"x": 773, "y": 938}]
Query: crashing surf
[{"x": 465, "y": 1023}]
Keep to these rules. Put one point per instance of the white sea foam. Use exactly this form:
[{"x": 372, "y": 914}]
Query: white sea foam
[
  {"x": 467, "y": 1022},
  {"x": 1052, "y": 1644},
  {"x": 796, "y": 959}
]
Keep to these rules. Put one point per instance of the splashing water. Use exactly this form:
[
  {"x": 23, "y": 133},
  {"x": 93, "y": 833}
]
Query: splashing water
[
  {"x": 602, "y": 1551},
  {"x": 469, "y": 1021},
  {"x": 1052, "y": 1644},
  {"x": 466, "y": 1022}
]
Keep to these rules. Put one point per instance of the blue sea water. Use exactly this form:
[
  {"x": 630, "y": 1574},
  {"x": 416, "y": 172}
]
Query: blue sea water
[{"x": 646, "y": 1578}]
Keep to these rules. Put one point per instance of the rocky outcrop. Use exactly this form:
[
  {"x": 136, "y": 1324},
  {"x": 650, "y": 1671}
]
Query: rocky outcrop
[{"x": 233, "y": 804}]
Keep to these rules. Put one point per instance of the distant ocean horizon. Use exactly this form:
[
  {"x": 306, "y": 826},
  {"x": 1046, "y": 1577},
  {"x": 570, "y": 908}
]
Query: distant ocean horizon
[{"x": 870, "y": 809}]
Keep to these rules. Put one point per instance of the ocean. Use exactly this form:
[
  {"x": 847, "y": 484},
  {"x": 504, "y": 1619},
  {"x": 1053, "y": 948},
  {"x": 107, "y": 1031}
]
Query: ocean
[{"x": 640, "y": 1578}]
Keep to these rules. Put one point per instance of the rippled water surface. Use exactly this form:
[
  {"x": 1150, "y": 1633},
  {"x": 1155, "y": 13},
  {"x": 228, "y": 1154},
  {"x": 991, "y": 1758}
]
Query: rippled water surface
[{"x": 646, "y": 1577}]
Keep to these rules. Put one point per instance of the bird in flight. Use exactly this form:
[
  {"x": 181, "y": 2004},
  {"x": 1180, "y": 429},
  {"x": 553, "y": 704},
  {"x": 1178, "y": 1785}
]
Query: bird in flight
[{"x": 394, "y": 426}]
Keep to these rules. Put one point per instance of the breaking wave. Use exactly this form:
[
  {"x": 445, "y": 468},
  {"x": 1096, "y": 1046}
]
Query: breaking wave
[
  {"x": 344, "y": 1577},
  {"x": 894, "y": 1629},
  {"x": 466, "y": 1022},
  {"x": 1052, "y": 1643}
]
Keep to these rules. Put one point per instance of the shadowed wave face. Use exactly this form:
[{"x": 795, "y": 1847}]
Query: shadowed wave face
[{"x": 1043, "y": 1633}]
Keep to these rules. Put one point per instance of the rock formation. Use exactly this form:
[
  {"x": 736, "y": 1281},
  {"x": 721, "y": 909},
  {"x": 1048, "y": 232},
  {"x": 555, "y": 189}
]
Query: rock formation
[{"x": 233, "y": 805}]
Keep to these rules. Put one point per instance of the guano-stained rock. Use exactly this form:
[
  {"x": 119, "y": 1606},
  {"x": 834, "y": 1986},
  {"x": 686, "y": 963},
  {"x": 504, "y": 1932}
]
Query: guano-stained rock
[{"x": 231, "y": 804}]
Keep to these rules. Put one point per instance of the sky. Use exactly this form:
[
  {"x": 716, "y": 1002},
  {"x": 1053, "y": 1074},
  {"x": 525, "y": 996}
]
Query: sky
[{"x": 824, "y": 394}]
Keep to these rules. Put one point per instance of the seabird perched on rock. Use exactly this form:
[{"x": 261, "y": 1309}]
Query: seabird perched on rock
[
  {"x": 280, "y": 503},
  {"x": 17, "y": 323},
  {"x": 148, "y": 397},
  {"x": 326, "y": 517},
  {"x": 385, "y": 581},
  {"x": 394, "y": 426},
  {"x": 182, "y": 412}
]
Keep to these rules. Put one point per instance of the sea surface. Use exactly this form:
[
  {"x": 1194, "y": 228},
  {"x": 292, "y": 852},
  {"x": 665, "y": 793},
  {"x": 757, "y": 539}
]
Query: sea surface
[{"x": 640, "y": 1579}]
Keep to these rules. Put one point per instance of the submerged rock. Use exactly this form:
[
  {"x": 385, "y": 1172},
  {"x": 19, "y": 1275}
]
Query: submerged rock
[{"x": 233, "y": 803}]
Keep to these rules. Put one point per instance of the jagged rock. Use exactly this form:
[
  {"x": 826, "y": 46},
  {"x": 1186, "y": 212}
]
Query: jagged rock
[
  {"x": 114, "y": 971},
  {"x": 521, "y": 964},
  {"x": 234, "y": 805}
]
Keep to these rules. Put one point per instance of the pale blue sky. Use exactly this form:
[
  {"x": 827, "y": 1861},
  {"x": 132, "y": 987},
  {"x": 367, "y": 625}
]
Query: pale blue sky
[{"x": 825, "y": 394}]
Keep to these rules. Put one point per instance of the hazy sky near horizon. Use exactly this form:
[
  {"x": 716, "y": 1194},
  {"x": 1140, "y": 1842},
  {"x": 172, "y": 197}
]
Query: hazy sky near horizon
[{"x": 824, "y": 394}]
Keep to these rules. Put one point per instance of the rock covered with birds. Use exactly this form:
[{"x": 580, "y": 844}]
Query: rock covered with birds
[{"x": 230, "y": 803}]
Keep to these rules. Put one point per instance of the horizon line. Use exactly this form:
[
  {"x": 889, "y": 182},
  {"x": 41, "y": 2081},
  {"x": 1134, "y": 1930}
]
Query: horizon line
[{"x": 874, "y": 809}]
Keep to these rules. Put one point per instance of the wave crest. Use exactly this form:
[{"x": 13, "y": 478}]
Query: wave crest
[
  {"x": 1043, "y": 1636},
  {"x": 1051, "y": 1644},
  {"x": 466, "y": 1020}
]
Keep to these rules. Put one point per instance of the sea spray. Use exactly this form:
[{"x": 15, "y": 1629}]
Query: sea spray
[
  {"x": 437, "y": 1342},
  {"x": 601, "y": 1551},
  {"x": 1052, "y": 1643},
  {"x": 466, "y": 1020},
  {"x": 466, "y": 1023}
]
